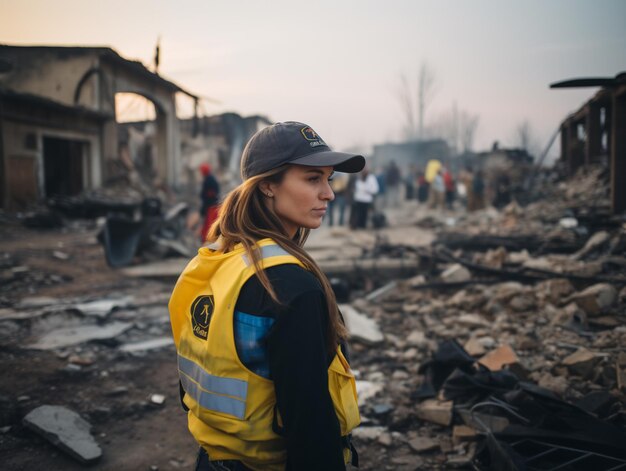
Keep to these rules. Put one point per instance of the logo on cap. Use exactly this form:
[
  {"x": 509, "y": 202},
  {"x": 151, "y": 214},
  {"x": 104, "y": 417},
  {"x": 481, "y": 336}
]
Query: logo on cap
[{"x": 311, "y": 136}]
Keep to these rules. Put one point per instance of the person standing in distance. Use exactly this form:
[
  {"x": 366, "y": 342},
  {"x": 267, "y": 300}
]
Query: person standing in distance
[
  {"x": 209, "y": 200},
  {"x": 261, "y": 344},
  {"x": 365, "y": 189}
]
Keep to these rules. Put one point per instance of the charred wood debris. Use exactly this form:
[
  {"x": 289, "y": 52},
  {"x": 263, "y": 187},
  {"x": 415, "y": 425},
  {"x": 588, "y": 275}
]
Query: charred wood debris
[{"x": 508, "y": 349}]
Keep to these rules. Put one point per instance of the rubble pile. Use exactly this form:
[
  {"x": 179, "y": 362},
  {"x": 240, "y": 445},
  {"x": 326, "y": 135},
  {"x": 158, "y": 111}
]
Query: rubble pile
[
  {"x": 60, "y": 325},
  {"x": 117, "y": 196},
  {"x": 98, "y": 357},
  {"x": 497, "y": 328},
  {"x": 16, "y": 277}
]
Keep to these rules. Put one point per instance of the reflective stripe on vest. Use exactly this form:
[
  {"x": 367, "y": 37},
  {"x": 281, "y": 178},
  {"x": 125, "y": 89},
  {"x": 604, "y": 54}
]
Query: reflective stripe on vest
[
  {"x": 208, "y": 390},
  {"x": 266, "y": 252},
  {"x": 215, "y": 384}
]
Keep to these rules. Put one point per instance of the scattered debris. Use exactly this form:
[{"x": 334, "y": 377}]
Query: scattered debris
[
  {"x": 361, "y": 327},
  {"x": 456, "y": 273},
  {"x": 423, "y": 444},
  {"x": 60, "y": 255},
  {"x": 582, "y": 362},
  {"x": 367, "y": 390},
  {"x": 102, "y": 307},
  {"x": 147, "y": 345},
  {"x": 65, "y": 429},
  {"x": 157, "y": 399},
  {"x": 68, "y": 336},
  {"x": 595, "y": 299},
  {"x": 438, "y": 412},
  {"x": 368, "y": 433},
  {"x": 497, "y": 359},
  {"x": 124, "y": 237}
]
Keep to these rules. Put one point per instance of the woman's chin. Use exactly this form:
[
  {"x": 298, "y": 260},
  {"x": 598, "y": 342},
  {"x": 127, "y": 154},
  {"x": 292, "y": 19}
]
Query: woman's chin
[{"x": 314, "y": 224}]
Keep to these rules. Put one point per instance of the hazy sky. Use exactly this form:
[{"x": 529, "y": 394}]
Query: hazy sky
[{"x": 336, "y": 64}]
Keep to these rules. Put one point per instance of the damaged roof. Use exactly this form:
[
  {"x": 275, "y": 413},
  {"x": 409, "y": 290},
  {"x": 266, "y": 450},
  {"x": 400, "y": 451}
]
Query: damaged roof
[
  {"x": 104, "y": 53},
  {"x": 51, "y": 104}
]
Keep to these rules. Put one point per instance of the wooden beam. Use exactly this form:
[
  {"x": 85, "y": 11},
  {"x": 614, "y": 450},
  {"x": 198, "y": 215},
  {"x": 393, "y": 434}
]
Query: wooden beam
[
  {"x": 564, "y": 144},
  {"x": 618, "y": 151},
  {"x": 593, "y": 146},
  {"x": 576, "y": 156}
]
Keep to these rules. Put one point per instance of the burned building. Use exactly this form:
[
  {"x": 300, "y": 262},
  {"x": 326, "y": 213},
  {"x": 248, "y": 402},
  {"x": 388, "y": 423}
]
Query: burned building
[
  {"x": 596, "y": 133},
  {"x": 58, "y": 129},
  {"x": 221, "y": 138},
  {"x": 217, "y": 140},
  {"x": 506, "y": 173},
  {"x": 408, "y": 153}
]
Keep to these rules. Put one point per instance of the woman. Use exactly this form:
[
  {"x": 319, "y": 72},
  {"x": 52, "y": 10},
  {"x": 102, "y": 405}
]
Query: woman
[{"x": 255, "y": 321}]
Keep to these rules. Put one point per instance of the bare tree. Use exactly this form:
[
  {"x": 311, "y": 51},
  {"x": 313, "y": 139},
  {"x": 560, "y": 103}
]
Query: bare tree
[
  {"x": 426, "y": 92},
  {"x": 523, "y": 135},
  {"x": 526, "y": 139},
  {"x": 468, "y": 126},
  {"x": 414, "y": 97},
  {"x": 405, "y": 98},
  {"x": 457, "y": 127}
]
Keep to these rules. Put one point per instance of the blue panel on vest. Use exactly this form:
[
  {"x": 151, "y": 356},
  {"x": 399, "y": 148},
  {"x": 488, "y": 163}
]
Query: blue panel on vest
[{"x": 250, "y": 332}]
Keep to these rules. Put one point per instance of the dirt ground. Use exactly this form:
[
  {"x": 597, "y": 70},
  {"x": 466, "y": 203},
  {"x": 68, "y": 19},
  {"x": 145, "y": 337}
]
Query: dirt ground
[{"x": 133, "y": 433}]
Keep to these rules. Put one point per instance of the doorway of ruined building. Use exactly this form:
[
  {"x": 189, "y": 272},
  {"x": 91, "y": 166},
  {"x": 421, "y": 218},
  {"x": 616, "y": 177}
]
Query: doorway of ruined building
[
  {"x": 64, "y": 167},
  {"x": 141, "y": 136}
]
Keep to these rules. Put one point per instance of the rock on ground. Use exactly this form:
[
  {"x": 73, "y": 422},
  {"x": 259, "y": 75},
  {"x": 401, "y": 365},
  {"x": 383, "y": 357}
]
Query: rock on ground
[
  {"x": 595, "y": 299},
  {"x": 360, "y": 326},
  {"x": 65, "y": 429}
]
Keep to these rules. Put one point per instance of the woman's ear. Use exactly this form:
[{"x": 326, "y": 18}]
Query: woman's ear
[{"x": 266, "y": 188}]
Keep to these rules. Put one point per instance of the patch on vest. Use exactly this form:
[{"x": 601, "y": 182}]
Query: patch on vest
[{"x": 201, "y": 312}]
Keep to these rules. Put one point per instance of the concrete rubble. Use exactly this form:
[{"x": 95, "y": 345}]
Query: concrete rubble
[
  {"x": 553, "y": 315},
  {"x": 65, "y": 429},
  {"x": 69, "y": 336},
  {"x": 92, "y": 345},
  {"x": 361, "y": 327}
]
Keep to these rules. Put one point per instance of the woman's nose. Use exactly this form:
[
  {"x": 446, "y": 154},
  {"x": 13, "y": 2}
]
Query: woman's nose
[{"x": 327, "y": 193}]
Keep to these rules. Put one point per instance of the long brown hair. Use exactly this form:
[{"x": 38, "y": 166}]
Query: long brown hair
[{"x": 245, "y": 219}]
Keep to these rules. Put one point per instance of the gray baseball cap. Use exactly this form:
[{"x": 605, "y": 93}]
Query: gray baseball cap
[{"x": 293, "y": 143}]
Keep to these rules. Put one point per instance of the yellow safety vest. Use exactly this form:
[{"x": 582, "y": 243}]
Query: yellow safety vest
[{"x": 231, "y": 409}]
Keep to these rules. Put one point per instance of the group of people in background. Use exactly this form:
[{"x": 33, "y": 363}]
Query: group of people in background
[
  {"x": 356, "y": 192},
  {"x": 474, "y": 183},
  {"x": 362, "y": 197},
  {"x": 441, "y": 189},
  {"x": 366, "y": 195}
]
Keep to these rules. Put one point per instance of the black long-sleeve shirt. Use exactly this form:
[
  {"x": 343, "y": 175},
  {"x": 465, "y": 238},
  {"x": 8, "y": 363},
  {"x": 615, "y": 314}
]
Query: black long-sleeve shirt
[{"x": 298, "y": 364}]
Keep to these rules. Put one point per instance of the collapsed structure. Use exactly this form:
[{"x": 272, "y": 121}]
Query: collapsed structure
[
  {"x": 417, "y": 153},
  {"x": 58, "y": 133},
  {"x": 62, "y": 142},
  {"x": 596, "y": 133}
]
